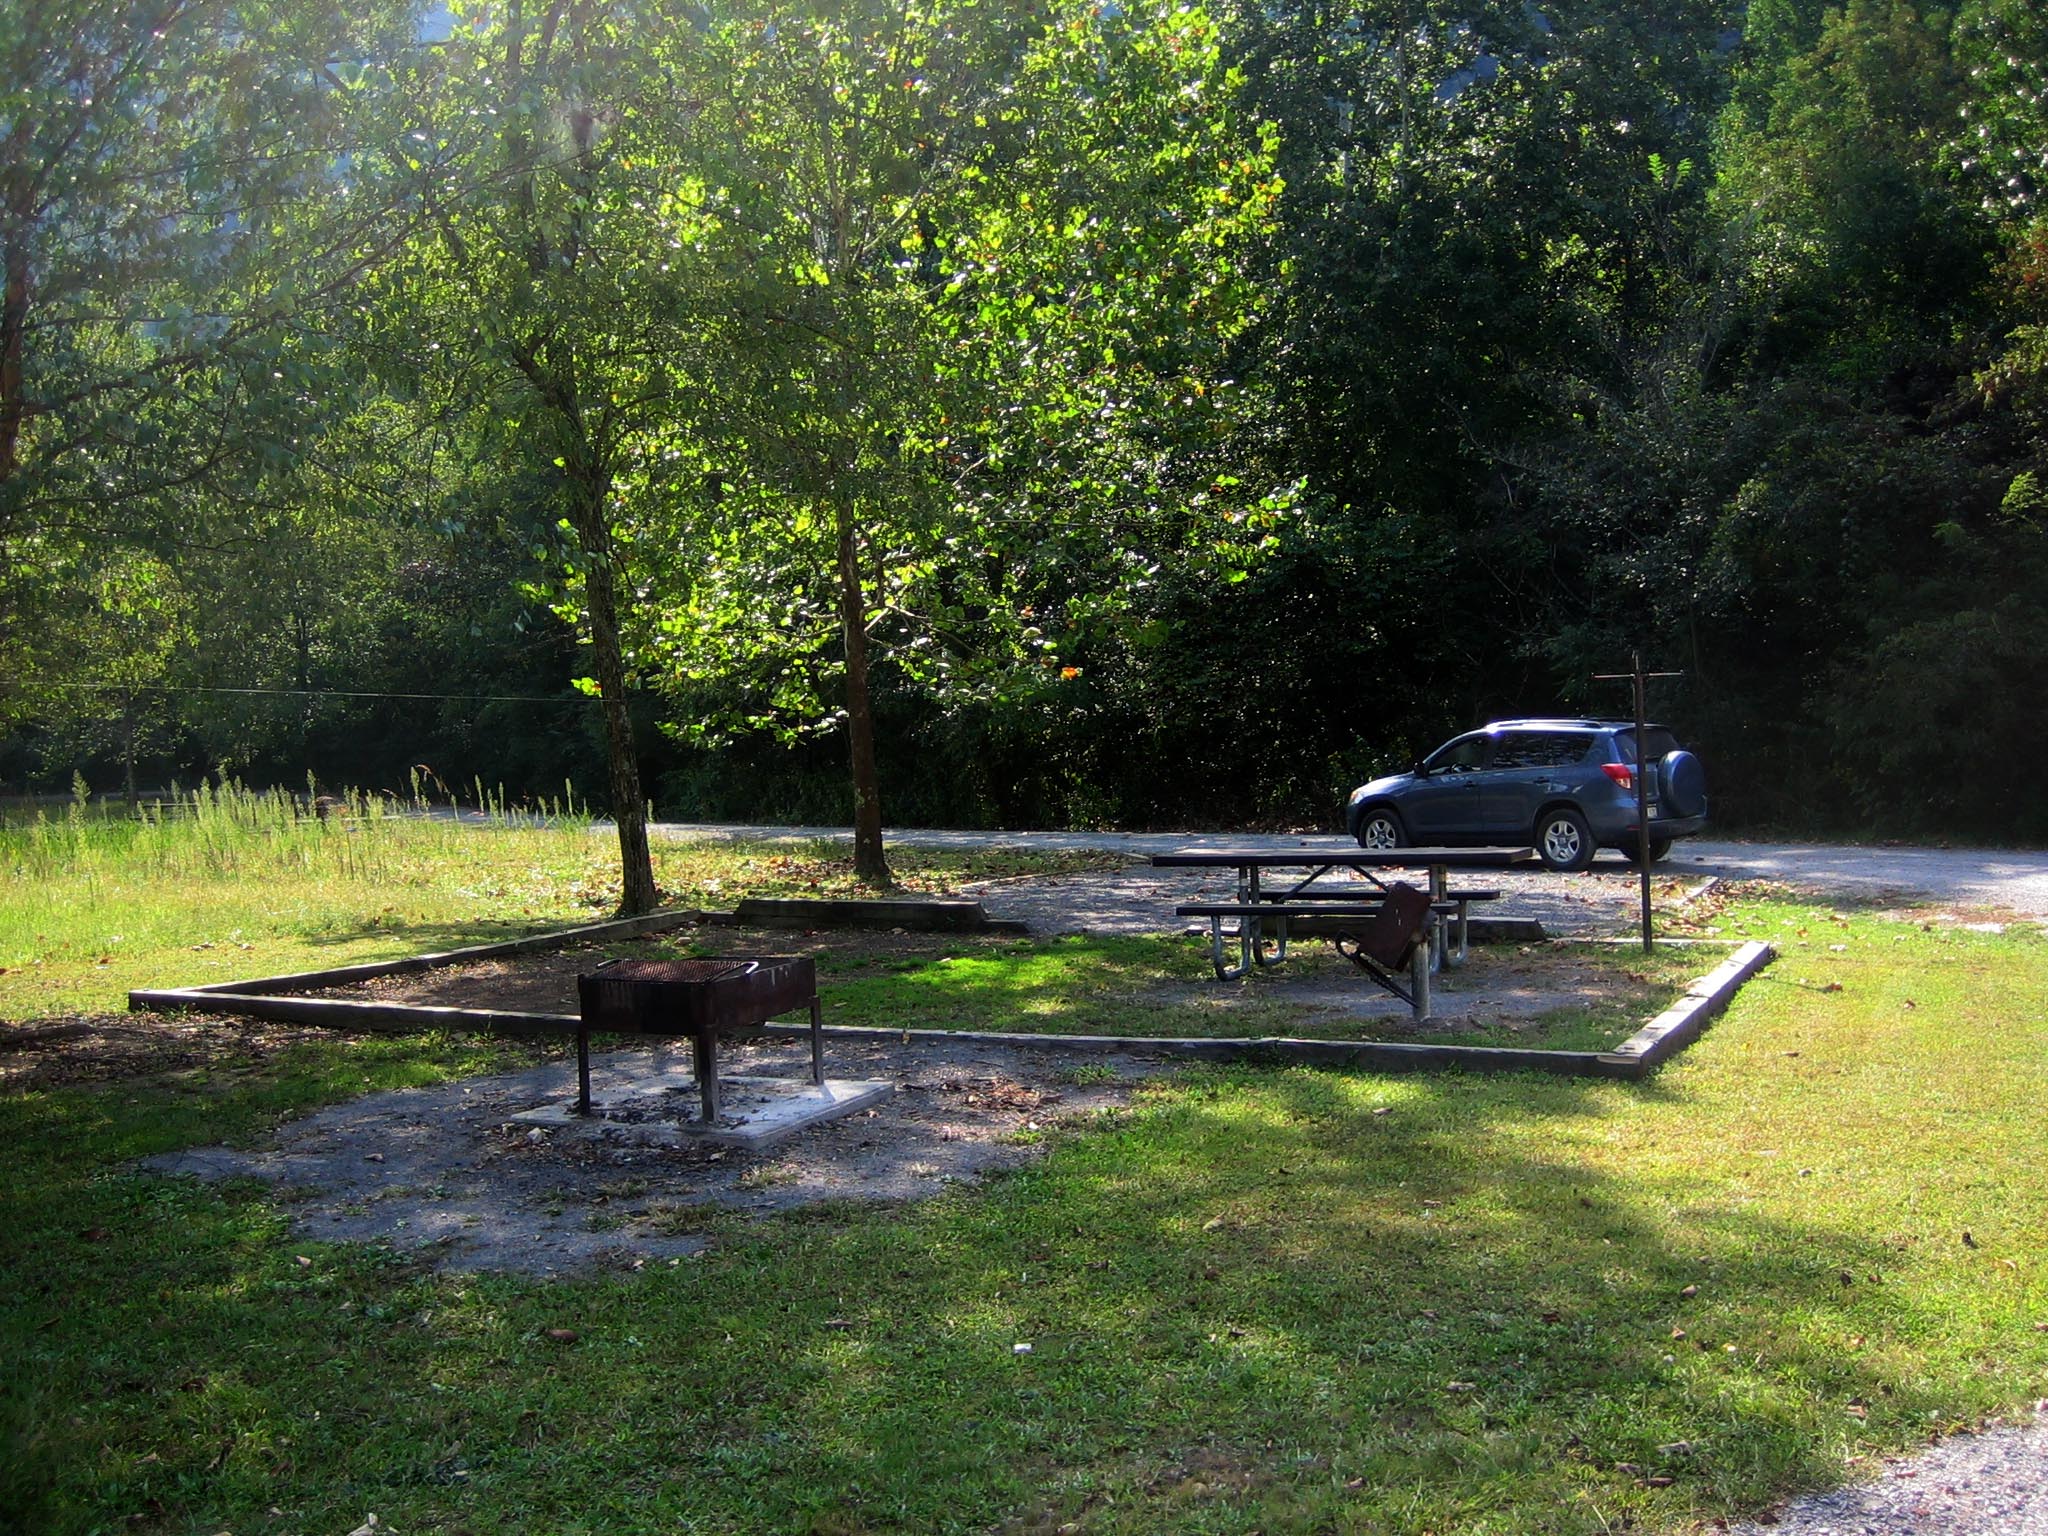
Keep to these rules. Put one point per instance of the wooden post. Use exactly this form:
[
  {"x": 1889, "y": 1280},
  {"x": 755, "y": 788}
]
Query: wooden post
[{"x": 1639, "y": 678}]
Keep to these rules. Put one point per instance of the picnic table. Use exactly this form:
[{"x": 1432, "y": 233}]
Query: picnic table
[{"x": 1382, "y": 929}]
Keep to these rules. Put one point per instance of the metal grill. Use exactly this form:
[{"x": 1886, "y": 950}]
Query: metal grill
[{"x": 734, "y": 995}]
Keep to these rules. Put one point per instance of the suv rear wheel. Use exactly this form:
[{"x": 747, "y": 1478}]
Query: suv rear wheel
[{"x": 1563, "y": 840}]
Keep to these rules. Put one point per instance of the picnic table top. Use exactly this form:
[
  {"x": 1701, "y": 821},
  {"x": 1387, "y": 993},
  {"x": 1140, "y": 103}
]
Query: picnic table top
[{"x": 1348, "y": 858}]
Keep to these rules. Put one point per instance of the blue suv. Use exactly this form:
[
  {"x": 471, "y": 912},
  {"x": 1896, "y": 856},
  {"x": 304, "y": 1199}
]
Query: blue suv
[{"x": 1567, "y": 785}]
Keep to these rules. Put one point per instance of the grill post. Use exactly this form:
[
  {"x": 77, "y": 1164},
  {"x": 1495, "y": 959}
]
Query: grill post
[
  {"x": 583, "y": 1066},
  {"x": 817, "y": 1044},
  {"x": 704, "y": 1052}
]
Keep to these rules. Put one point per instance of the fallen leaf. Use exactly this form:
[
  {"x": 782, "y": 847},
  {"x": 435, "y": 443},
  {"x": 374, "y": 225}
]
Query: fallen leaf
[
  {"x": 1690, "y": 1291},
  {"x": 1458, "y": 1386},
  {"x": 1833, "y": 986}
]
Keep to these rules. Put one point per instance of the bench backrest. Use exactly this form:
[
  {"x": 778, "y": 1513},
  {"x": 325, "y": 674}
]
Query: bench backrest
[{"x": 1391, "y": 937}]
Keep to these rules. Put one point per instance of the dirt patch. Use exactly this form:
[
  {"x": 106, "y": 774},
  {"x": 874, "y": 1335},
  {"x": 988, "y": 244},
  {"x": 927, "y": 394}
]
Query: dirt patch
[
  {"x": 61, "y": 1051},
  {"x": 1498, "y": 986},
  {"x": 448, "y": 1174},
  {"x": 545, "y": 982}
]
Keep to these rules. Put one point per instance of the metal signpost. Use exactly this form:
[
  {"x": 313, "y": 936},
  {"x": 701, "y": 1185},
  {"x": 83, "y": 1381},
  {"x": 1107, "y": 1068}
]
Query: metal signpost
[{"x": 1639, "y": 677}]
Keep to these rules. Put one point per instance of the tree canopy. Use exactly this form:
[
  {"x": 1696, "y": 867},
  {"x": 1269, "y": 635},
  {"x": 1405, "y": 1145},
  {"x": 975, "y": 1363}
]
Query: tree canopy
[{"x": 1049, "y": 412}]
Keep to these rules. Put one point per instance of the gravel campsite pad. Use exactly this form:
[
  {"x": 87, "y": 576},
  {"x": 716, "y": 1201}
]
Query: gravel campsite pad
[{"x": 448, "y": 1172}]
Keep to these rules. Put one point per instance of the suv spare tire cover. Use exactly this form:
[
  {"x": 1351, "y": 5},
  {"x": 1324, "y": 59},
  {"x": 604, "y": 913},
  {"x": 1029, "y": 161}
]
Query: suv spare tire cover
[{"x": 1682, "y": 784}]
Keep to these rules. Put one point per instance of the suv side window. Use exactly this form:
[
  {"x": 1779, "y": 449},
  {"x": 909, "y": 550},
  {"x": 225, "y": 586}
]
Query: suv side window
[
  {"x": 1540, "y": 749},
  {"x": 1464, "y": 755},
  {"x": 1661, "y": 742}
]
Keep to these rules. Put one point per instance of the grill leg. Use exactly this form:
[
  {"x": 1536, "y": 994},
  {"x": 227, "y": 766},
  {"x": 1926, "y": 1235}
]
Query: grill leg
[
  {"x": 817, "y": 1044},
  {"x": 582, "y": 1069},
  {"x": 704, "y": 1048}
]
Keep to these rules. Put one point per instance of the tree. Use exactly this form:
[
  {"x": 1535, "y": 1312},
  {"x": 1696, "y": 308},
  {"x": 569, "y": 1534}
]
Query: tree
[
  {"x": 168, "y": 199},
  {"x": 544, "y": 292},
  {"x": 979, "y": 264}
]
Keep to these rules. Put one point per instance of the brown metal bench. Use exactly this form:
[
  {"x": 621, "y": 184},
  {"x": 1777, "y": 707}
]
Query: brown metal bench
[
  {"x": 1453, "y": 938},
  {"x": 1379, "y": 937}
]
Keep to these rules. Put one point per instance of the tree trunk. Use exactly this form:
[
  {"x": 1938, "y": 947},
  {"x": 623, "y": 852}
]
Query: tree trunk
[
  {"x": 629, "y": 805},
  {"x": 14, "y": 233},
  {"x": 128, "y": 748},
  {"x": 870, "y": 863}
]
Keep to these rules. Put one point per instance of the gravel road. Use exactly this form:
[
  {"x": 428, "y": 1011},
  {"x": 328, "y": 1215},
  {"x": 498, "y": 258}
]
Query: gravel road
[{"x": 1598, "y": 900}]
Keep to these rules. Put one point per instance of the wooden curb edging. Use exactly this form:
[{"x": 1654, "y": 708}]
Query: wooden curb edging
[
  {"x": 271, "y": 998},
  {"x": 1680, "y": 1024},
  {"x": 941, "y": 914}
]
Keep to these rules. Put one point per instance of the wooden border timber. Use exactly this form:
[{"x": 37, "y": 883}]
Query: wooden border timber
[{"x": 271, "y": 998}]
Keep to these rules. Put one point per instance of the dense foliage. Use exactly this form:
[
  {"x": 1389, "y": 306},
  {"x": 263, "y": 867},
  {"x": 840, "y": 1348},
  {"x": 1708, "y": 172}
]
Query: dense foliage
[{"x": 1100, "y": 413}]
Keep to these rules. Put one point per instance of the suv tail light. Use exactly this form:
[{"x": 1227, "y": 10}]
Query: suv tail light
[{"x": 1623, "y": 774}]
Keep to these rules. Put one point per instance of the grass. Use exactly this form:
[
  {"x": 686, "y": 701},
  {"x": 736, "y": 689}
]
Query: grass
[
  {"x": 1254, "y": 1300},
  {"x": 241, "y": 884},
  {"x": 1163, "y": 987}
]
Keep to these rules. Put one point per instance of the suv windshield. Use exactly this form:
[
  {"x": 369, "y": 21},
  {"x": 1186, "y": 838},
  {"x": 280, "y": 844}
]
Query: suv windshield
[{"x": 1461, "y": 756}]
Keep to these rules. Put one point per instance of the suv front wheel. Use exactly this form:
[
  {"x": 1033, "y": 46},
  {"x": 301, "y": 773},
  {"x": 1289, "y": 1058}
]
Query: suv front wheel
[
  {"x": 1381, "y": 828},
  {"x": 1563, "y": 840}
]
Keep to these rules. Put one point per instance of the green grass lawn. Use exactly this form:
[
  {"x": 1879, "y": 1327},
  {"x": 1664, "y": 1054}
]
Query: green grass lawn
[
  {"x": 92, "y": 907},
  {"x": 1254, "y": 1300}
]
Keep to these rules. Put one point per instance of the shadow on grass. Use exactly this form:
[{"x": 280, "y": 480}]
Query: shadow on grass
[{"x": 1253, "y": 1300}]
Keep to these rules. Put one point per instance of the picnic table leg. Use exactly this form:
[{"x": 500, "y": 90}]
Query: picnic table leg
[
  {"x": 1248, "y": 928},
  {"x": 1464, "y": 938},
  {"x": 1418, "y": 971},
  {"x": 1216, "y": 959},
  {"x": 1439, "y": 956}
]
